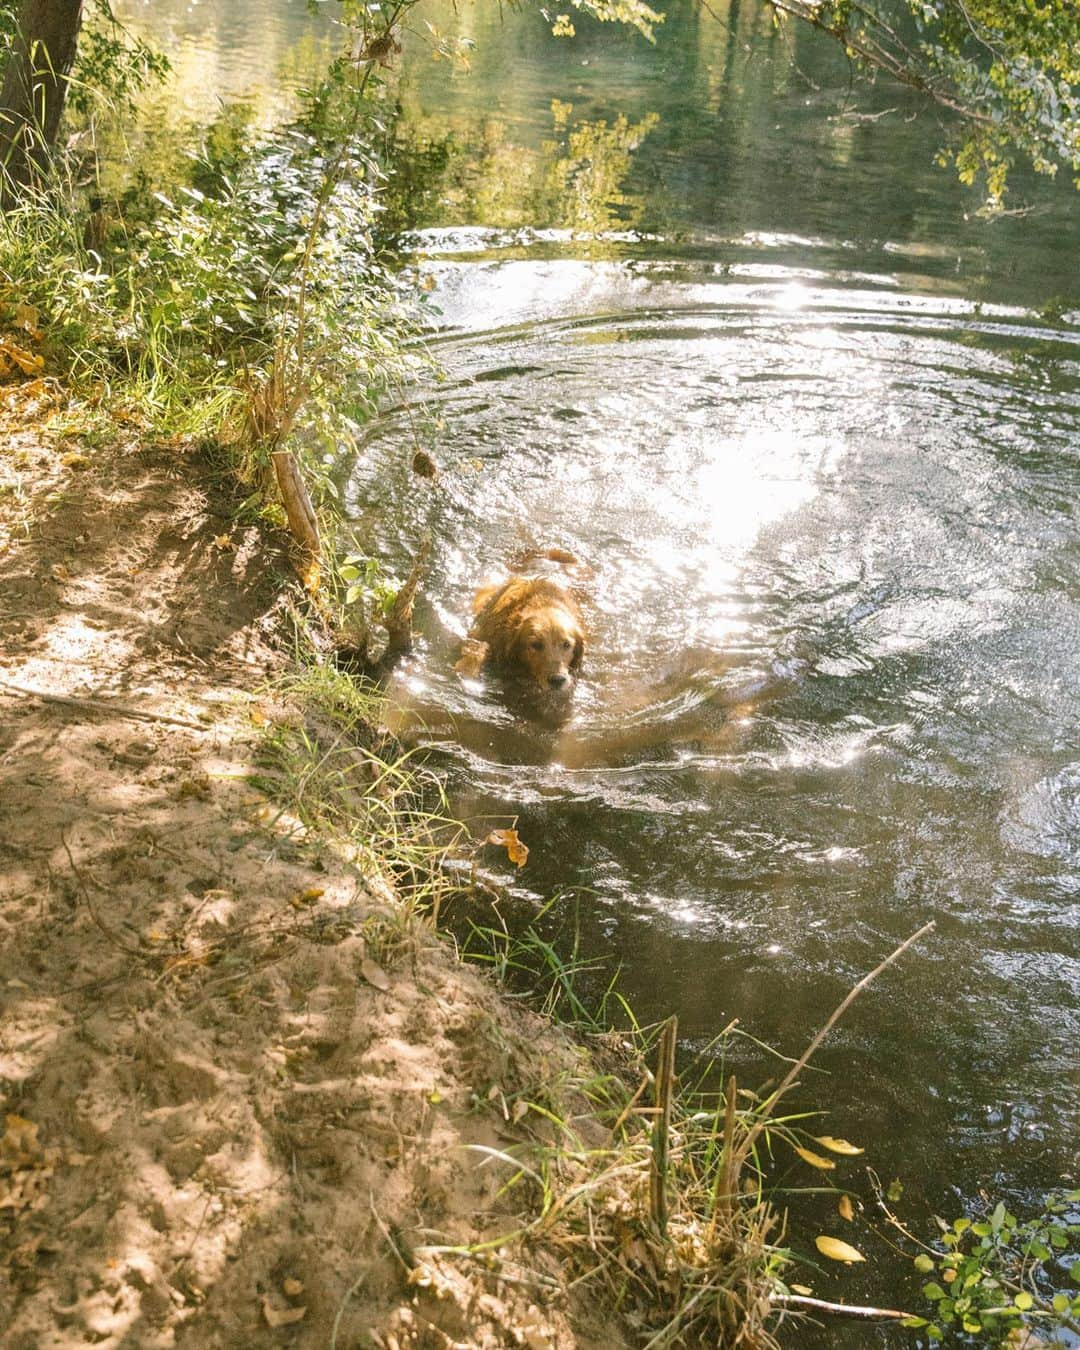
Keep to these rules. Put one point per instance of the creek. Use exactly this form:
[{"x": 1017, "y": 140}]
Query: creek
[{"x": 710, "y": 318}]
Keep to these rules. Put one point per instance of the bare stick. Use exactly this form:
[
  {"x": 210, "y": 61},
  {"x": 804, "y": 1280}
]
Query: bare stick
[
  {"x": 837, "y": 1309},
  {"x": 113, "y": 937},
  {"x": 727, "y": 1173},
  {"x": 398, "y": 622},
  {"x": 804, "y": 1058},
  {"x": 294, "y": 494}
]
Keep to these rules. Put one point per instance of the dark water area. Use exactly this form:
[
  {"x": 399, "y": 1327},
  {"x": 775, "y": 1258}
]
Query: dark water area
[{"x": 709, "y": 317}]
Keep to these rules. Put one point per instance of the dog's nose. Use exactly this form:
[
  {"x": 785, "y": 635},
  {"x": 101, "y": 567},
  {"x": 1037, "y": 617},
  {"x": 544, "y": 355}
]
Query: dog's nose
[{"x": 558, "y": 681}]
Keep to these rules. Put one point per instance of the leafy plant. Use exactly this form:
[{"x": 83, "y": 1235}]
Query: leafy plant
[
  {"x": 1000, "y": 1273},
  {"x": 1009, "y": 70}
]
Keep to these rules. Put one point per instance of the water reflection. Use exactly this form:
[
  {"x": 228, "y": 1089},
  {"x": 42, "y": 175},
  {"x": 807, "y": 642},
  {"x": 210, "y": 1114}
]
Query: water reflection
[{"x": 831, "y": 689}]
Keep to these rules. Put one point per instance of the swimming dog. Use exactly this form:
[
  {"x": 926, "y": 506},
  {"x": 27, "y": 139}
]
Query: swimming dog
[{"x": 530, "y": 632}]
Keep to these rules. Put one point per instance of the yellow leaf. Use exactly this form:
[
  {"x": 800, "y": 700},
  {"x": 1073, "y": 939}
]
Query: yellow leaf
[
  {"x": 815, "y": 1159},
  {"x": 374, "y": 975},
  {"x": 293, "y": 1288},
  {"x": 224, "y": 543},
  {"x": 310, "y": 575},
  {"x": 845, "y": 1209},
  {"x": 801, "y": 1289},
  {"x": 516, "y": 851},
  {"x": 836, "y": 1145},
  {"x": 836, "y": 1250},
  {"x": 75, "y": 459}
]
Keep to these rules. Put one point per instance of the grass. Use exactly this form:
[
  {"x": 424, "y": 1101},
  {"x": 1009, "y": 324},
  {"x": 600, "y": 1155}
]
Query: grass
[{"x": 648, "y": 1186}]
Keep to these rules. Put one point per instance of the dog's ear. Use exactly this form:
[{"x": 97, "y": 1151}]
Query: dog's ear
[
  {"x": 579, "y": 654},
  {"x": 485, "y": 595}
]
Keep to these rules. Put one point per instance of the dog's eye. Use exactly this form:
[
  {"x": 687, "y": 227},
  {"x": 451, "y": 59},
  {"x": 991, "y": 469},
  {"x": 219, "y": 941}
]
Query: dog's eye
[
  {"x": 536, "y": 645},
  {"x": 567, "y": 644}
]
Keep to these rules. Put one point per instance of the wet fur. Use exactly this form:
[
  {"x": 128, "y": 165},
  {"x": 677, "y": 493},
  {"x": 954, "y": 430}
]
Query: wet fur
[{"x": 528, "y": 630}]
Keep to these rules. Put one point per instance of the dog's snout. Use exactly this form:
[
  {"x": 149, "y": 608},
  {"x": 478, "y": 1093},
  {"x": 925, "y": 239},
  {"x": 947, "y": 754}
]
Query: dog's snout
[{"x": 558, "y": 681}]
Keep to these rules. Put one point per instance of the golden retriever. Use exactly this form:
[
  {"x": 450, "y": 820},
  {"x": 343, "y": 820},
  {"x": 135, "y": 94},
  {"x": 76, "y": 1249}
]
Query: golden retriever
[{"x": 529, "y": 631}]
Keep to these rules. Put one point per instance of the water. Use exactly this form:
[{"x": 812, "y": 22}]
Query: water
[{"x": 813, "y": 425}]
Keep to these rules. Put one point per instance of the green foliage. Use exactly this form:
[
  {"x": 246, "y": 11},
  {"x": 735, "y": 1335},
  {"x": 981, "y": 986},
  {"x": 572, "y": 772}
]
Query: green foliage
[
  {"x": 1000, "y": 1273},
  {"x": 1010, "y": 69},
  {"x": 113, "y": 66}
]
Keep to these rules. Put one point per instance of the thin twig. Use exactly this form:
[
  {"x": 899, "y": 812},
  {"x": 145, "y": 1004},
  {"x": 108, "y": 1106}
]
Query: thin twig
[
  {"x": 837, "y": 1309},
  {"x": 800, "y": 1064},
  {"x": 100, "y": 706},
  {"x": 114, "y": 938}
]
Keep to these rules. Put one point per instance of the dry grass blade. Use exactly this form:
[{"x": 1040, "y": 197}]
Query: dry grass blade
[{"x": 665, "y": 1092}]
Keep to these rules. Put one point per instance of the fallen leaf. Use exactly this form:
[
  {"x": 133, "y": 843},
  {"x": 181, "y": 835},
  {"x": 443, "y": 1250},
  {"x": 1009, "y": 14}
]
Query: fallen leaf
[
  {"x": 75, "y": 459},
  {"x": 374, "y": 974},
  {"x": 801, "y": 1289},
  {"x": 521, "y": 1108},
  {"x": 895, "y": 1191},
  {"x": 516, "y": 851},
  {"x": 836, "y": 1250},
  {"x": 224, "y": 543},
  {"x": 845, "y": 1208},
  {"x": 281, "y": 1317},
  {"x": 815, "y": 1159},
  {"x": 19, "y": 1145},
  {"x": 836, "y": 1145},
  {"x": 311, "y": 575},
  {"x": 293, "y": 1288},
  {"x": 15, "y": 356}
]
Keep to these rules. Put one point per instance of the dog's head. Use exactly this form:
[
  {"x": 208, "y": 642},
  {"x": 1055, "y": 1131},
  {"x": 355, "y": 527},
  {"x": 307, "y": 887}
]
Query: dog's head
[
  {"x": 548, "y": 649},
  {"x": 534, "y": 631}
]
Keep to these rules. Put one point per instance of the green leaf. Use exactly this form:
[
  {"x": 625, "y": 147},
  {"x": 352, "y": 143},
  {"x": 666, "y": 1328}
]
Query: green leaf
[
  {"x": 914, "y": 1322},
  {"x": 924, "y": 1264},
  {"x": 1060, "y": 1303},
  {"x": 1023, "y": 1300},
  {"x": 933, "y": 1291}
]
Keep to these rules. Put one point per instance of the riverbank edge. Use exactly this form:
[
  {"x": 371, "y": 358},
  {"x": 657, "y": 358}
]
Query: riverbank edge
[{"x": 249, "y": 1091}]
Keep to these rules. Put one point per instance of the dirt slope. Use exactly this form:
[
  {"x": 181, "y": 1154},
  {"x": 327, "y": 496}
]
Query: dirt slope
[{"x": 218, "y": 1132}]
